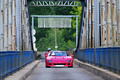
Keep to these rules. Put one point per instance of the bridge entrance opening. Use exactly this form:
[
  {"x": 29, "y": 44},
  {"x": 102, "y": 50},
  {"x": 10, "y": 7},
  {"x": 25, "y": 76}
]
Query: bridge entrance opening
[{"x": 69, "y": 9}]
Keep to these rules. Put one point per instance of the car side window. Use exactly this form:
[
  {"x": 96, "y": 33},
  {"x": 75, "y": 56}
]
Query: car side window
[
  {"x": 67, "y": 54},
  {"x": 50, "y": 53}
]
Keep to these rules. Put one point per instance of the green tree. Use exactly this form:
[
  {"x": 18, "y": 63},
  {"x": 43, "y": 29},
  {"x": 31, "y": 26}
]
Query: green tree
[{"x": 76, "y": 11}]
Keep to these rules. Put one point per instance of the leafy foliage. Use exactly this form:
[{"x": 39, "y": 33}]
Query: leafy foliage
[{"x": 77, "y": 11}]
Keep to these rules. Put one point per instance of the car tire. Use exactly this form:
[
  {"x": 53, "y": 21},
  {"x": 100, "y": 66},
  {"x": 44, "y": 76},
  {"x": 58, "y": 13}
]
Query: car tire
[
  {"x": 47, "y": 66},
  {"x": 70, "y": 66}
]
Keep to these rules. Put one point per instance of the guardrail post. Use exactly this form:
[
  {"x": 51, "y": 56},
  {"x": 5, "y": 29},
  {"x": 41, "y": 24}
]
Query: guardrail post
[{"x": 95, "y": 55}]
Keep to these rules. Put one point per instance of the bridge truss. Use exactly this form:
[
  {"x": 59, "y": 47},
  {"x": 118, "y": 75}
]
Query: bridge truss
[
  {"x": 55, "y": 3},
  {"x": 100, "y": 22},
  {"x": 15, "y": 27}
]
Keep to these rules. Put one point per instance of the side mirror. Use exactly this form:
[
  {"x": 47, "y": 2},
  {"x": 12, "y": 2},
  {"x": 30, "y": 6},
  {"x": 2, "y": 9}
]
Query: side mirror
[{"x": 45, "y": 55}]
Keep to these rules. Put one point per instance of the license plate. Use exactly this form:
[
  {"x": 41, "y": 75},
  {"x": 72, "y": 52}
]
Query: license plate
[{"x": 59, "y": 65}]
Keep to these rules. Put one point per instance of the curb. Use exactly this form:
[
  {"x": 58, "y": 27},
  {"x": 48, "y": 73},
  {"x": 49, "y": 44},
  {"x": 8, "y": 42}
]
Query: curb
[
  {"x": 25, "y": 72},
  {"x": 105, "y": 74}
]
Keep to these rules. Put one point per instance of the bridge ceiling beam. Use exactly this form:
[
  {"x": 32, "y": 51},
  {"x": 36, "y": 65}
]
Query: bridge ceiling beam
[
  {"x": 55, "y": 3},
  {"x": 55, "y": 0}
]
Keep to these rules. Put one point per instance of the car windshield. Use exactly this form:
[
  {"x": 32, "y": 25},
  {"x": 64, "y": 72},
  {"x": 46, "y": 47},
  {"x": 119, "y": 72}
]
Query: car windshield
[{"x": 59, "y": 54}]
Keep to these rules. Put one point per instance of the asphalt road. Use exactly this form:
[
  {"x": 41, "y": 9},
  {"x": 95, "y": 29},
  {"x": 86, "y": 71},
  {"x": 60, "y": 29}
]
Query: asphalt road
[{"x": 61, "y": 73}]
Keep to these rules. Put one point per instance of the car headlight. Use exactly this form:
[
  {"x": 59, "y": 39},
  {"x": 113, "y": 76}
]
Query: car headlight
[
  {"x": 68, "y": 60},
  {"x": 49, "y": 60}
]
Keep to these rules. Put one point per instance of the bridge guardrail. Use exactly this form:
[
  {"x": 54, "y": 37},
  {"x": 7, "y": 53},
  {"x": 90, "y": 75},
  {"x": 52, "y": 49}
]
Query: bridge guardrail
[
  {"x": 12, "y": 61},
  {"x": 107, "y": 58}
]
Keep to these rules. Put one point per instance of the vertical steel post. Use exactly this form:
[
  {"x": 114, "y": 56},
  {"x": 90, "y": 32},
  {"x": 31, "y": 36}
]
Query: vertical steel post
[
  {"x": 5, "y": 25},
  {"x": 119, "y": 22},
  {"x": 92, "y": 23},
  {"x": 84, "y": 33},
  {"x": 10, "y": 27},
  {"x": 2, "y": 26},
  {"x": 103, "y": 25},
  {"x": 18, "y": 24},
  {"x": 96, "y": 26},
  {"x": 14, "y": 25},
  {"x": 114, "y": 24},
  {"x": 55, "y": 39},
  {"x": 23, "y": 21},
  {"x": 27, "y": 31},
  {"x": 108, "y": 24},
  {"x": 32, "y": 24},
  {"x": 27, "y": 38},
  {"x": 89, "y": 23},
  {"x": 87, "y": 13},
  {"x": 29, "y": 35},
  {"x": 21, "y": 28},
  {"x": 96, "y": 23},
  {"x": 32, "y": 30},
  {"x": 76, "y": 30}
]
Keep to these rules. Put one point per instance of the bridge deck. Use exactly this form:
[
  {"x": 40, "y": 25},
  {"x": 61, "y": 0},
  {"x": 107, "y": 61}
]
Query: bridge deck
[{"x": 75, "y": 73}]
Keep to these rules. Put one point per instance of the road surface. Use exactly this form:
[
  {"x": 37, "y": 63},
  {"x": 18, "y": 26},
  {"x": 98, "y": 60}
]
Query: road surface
[{"x": 61, "y": 73}]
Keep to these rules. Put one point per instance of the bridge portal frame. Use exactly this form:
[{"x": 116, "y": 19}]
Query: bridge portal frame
[{"x": 57, "y": 16}]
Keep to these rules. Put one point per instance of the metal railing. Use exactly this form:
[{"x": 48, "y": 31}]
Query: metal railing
[
  {"x": 107, "y": 58},
  {"x": 12, "y": 61}
]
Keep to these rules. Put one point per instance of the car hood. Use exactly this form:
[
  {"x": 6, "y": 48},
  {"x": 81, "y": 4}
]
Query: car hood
[{"x": 59, "y": 59}]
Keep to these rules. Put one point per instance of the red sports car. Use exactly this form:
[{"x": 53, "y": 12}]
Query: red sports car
[{"x": 59, "y": 58}]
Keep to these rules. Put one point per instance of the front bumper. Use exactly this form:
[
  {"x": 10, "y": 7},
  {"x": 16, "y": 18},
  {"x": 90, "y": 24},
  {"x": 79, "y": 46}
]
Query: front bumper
[{"x": 59, "y": 64}]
